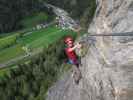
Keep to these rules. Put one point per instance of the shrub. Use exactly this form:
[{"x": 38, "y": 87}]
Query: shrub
[{"x": 8, "y": 41}]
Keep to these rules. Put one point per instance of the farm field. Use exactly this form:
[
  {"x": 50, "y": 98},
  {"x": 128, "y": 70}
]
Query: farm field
[{"x": 32, "y": 41}]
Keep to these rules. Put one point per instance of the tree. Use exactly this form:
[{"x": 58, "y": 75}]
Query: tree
[{"x": 12, "y": 12}]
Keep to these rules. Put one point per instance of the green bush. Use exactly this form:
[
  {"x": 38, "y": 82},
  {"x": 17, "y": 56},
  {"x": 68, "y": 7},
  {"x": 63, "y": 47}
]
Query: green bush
[{"x": 8, "y": 41}]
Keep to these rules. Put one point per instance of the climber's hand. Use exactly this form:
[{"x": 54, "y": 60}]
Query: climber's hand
[
  {"x": 78, "y": 45},
  {"x": 76, "y": 29}
]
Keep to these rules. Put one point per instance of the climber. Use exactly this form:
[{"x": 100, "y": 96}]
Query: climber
[{"x": 72, "y": 57}]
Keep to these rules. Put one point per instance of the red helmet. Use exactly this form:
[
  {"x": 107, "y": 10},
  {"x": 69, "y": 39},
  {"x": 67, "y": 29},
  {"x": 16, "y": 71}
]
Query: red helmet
[{"x": 68, "y": 38}]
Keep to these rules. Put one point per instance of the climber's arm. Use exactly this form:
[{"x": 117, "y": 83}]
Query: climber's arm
[
  {"x": 76, "y": 29},
  {"x": 78, "y": 45}
]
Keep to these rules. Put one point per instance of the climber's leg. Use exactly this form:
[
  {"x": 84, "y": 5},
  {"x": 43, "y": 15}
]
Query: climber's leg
[
  {"x": 76, "y": 74},
  {"x": 76, "y": 70}
]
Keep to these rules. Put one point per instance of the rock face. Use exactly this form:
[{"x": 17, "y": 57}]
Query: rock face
[{"x": 108, "y": 66}]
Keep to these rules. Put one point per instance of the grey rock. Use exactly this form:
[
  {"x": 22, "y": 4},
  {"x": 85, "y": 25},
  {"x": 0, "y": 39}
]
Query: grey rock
[{"x": 65, "y": 89}]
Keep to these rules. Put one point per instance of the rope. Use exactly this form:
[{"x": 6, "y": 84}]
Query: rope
[{"x": 113, "y": 34}]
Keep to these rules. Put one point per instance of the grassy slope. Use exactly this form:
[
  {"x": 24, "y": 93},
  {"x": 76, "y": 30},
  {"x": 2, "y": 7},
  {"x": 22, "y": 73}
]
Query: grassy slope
[
  {"x": 28, "y": 39},
  {"x": 16, "y": 50},
  {"x": 10, "y": 53},
  {"x": 37, "y": 39}
]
